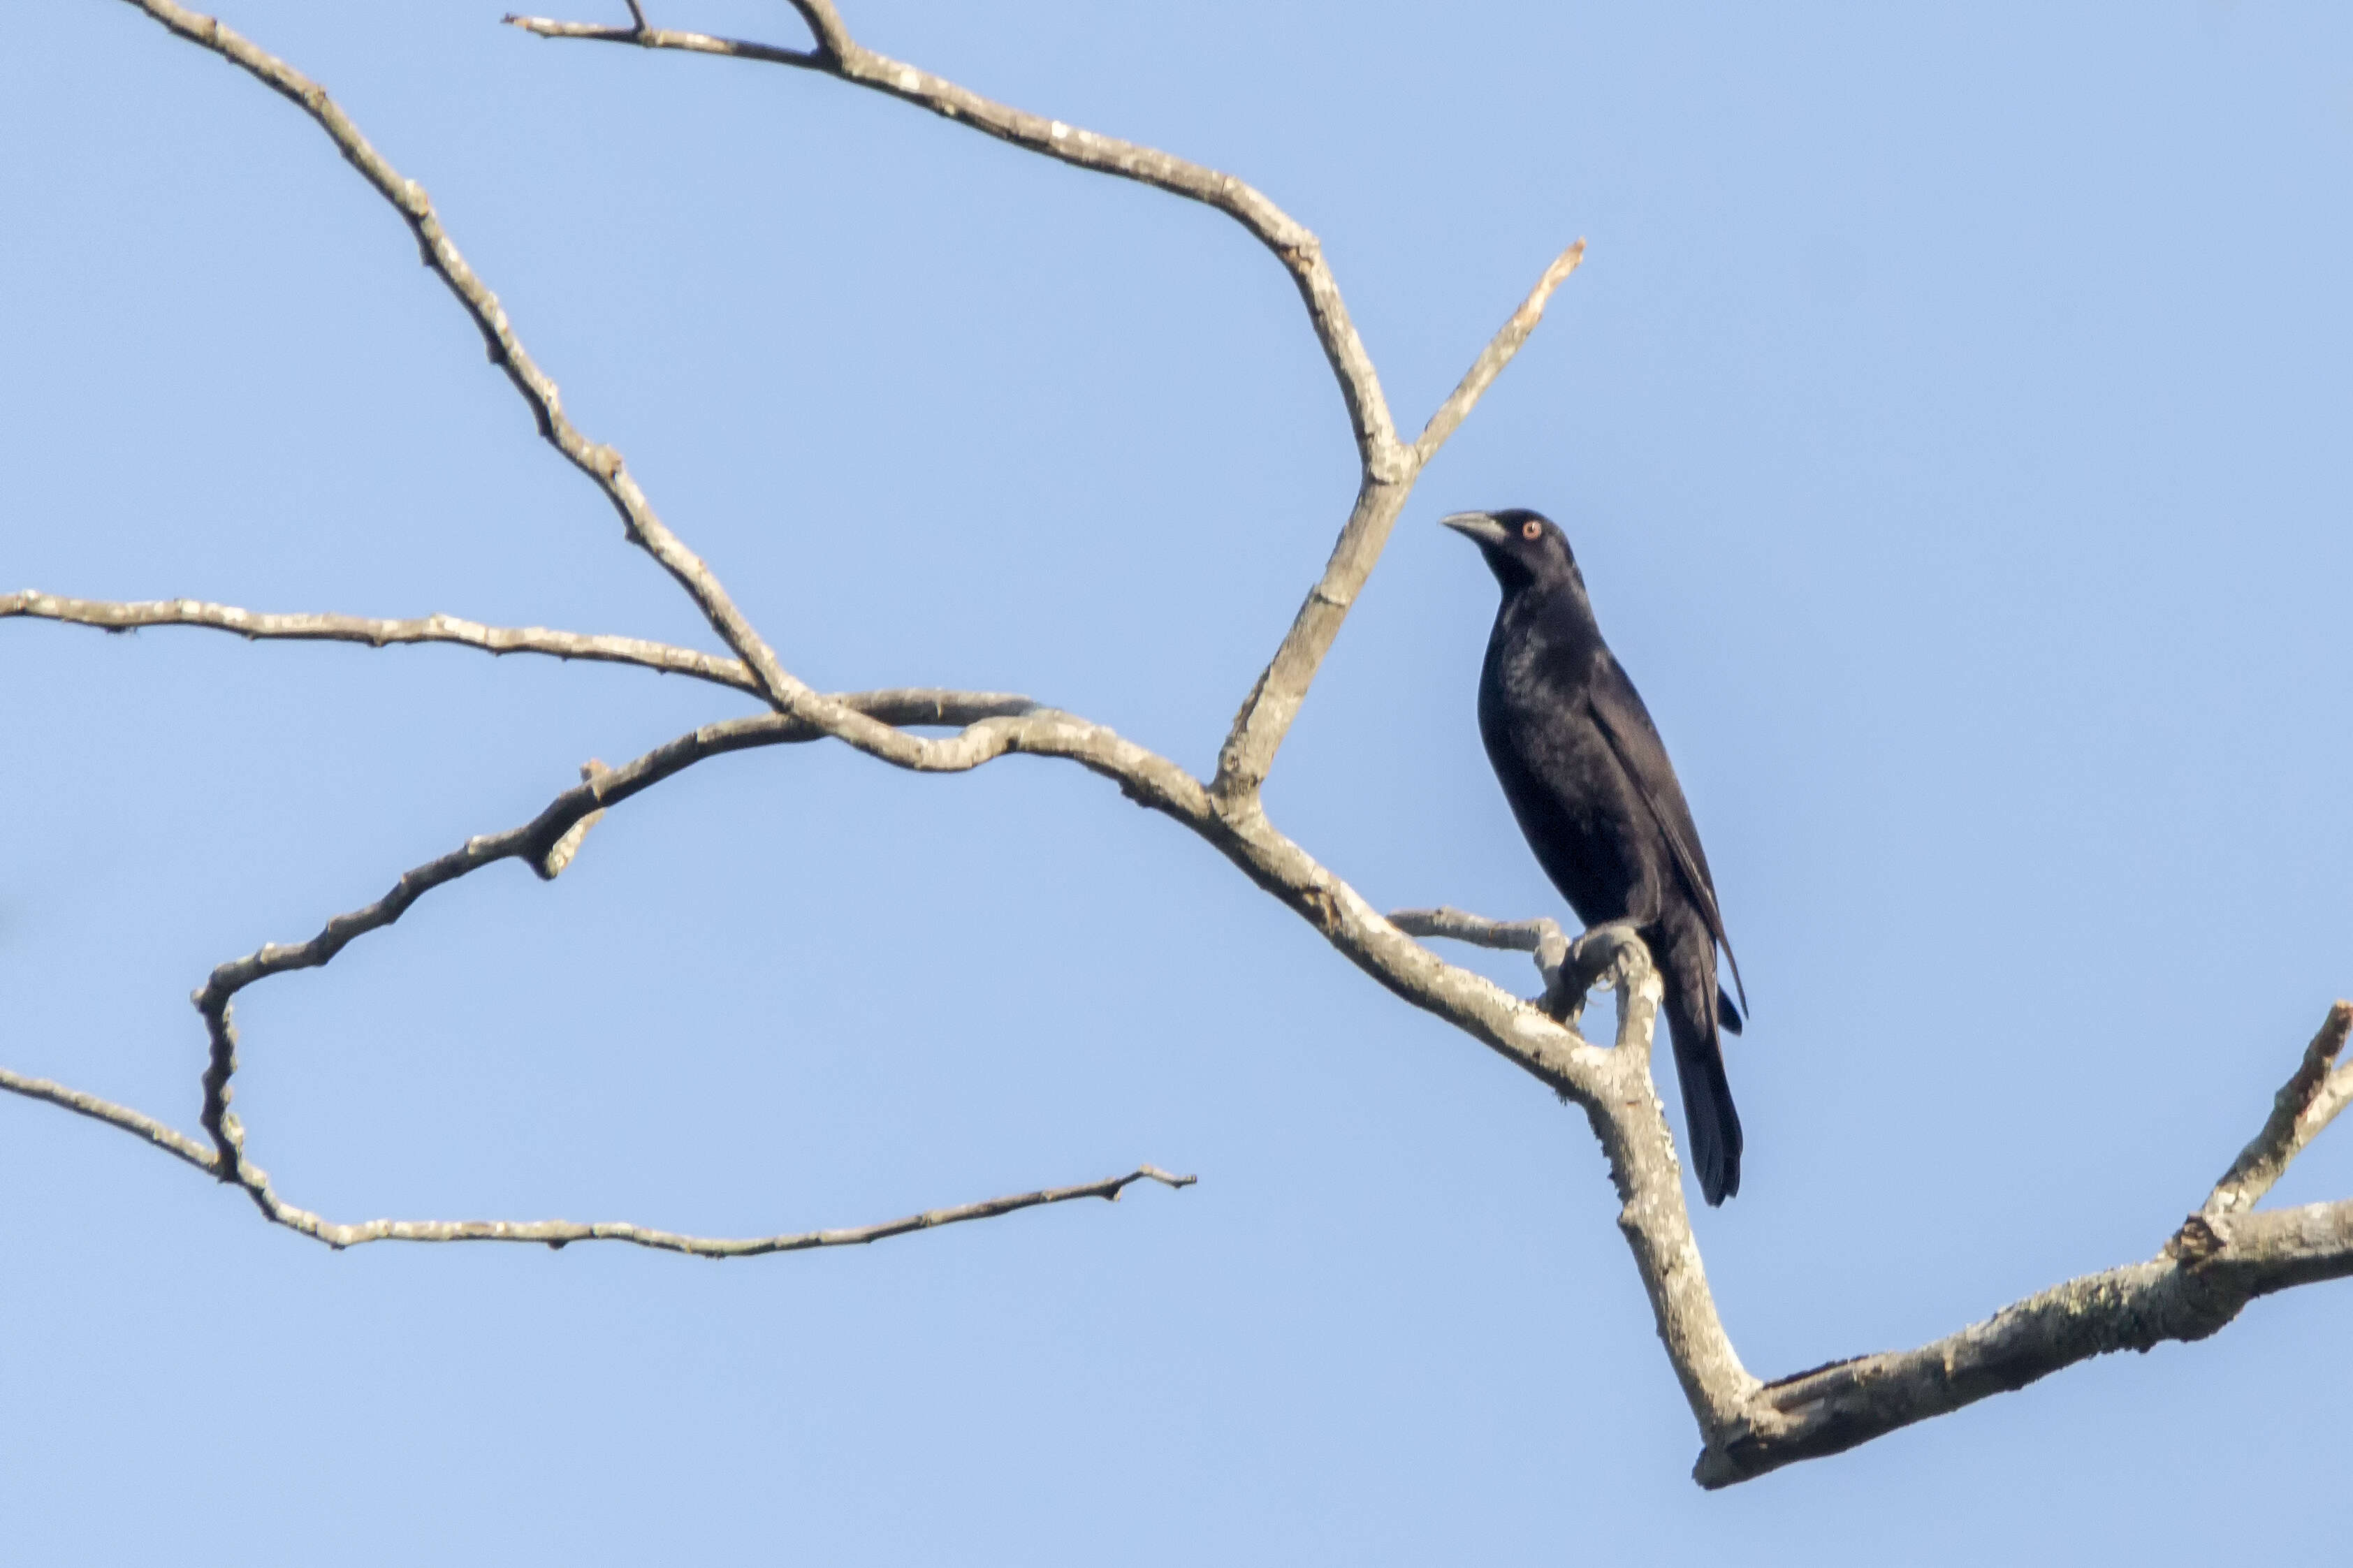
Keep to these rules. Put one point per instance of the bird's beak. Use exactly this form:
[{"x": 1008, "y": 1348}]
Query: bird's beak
[{"x": 1476, "y": 526}]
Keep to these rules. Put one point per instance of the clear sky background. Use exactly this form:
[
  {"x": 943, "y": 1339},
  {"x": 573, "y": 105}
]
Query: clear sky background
[{"x": 1951, "y": 417}]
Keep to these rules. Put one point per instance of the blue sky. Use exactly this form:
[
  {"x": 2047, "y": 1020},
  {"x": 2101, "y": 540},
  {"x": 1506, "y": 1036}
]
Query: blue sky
[{"x": 1950, "y": 416}]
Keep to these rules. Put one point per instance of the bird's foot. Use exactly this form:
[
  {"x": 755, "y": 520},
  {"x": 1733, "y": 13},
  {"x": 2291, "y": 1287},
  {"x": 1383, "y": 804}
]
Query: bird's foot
[{"x": 1584, "y": 962}]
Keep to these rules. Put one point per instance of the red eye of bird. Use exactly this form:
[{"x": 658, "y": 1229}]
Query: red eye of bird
[{"x": 1531, "y": 529}]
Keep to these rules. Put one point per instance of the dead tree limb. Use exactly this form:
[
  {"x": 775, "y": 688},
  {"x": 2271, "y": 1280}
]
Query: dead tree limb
[
  {"x": 2221, "y": 1259},
  {"x": 113, "y": 617}
]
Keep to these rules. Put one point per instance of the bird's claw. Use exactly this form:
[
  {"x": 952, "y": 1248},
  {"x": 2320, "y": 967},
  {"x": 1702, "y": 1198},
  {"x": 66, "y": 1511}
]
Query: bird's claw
[
  {"x": 1584, "y": 963},
  {"x": 1596, "y": 950}
]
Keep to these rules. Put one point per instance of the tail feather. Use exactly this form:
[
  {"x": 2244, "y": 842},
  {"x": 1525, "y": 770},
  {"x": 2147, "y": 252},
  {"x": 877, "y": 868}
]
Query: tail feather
[{"x": 1708, "y": 1111}]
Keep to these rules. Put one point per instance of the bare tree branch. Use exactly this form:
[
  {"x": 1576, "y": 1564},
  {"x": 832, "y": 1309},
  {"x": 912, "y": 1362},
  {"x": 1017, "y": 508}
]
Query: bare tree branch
[
  {"x": 562, "y": 1233},
  {"x": 2306, "y": 1103},
  {"x": 560, "y": 854},
  {"x": 2218, "y": 1262},
  {"x": 171, "y": 1140},
  {"x": 546, "y": 843},
  {"x": 2192, "y": 1290},
  {"x": 601, "y": 789},
  {"x": 1497, "y": 354},
  {"x": 1300, "y": 253},
  {"x": 825, "y": 25},
  {"x": 119, "y": 616},
  {"x": 1512, "y": 936},
  {"x": 1542, "y": 938},
  {"x": 1389, "y": 465},
  {"x": 993, "y": 724},
  {"x": 1627, "y": 1116},
  {"x": 552, "y": 1233},
  {"x": 653, "y": 37}
]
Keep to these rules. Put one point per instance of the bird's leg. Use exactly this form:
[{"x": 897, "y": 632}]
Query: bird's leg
[
  {"x": 1583, "y": 963},
  {"x": 1552, "y": 953}
]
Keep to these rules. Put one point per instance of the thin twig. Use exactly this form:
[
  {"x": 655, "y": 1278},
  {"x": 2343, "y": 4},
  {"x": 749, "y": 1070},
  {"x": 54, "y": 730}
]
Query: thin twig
[
  {"x": 562, "y": 1233},
  {"x": 557, "y": 1233},
  {"x": 1541, "y": 937},
  {"x": 2306, "y": 1104},
  {"x": 1498, "y": 353},
  {"x": 671, "y": 38},
  {"x": 1456, "y": 925},
  {"x": 171, "y": 1140},
  {"x": 115, "y": 615}
]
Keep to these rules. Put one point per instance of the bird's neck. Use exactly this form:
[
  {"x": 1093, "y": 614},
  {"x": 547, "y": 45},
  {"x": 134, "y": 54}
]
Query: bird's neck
[{"x": 1555, "y": 613}]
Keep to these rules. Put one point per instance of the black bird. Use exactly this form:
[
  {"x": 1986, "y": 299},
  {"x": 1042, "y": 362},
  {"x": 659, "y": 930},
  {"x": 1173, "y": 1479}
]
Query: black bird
[{"x": 1589, "y": 782}]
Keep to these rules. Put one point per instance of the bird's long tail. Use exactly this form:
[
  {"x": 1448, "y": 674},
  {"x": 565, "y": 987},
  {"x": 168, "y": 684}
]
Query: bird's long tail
[{"x": 1692, "y": 1024}]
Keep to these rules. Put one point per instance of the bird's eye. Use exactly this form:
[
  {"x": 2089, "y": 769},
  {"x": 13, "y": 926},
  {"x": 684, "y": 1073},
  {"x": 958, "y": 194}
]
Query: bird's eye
[{"x": 1532, "y": 529}]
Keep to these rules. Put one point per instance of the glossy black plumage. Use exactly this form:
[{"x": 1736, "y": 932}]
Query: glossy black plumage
[{"x": 1589, "y": 779}]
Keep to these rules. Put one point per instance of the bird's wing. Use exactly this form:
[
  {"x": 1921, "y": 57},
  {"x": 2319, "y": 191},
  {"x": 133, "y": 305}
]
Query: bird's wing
[{"x": 1619, "y": 712}]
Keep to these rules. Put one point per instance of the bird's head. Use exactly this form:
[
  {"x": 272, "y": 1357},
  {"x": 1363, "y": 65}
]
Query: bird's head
[{"x": 1524, "y": 549}]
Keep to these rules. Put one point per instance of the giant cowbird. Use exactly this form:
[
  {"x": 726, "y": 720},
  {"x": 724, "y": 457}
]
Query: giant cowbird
[{"x": 1589, "y": 782}]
